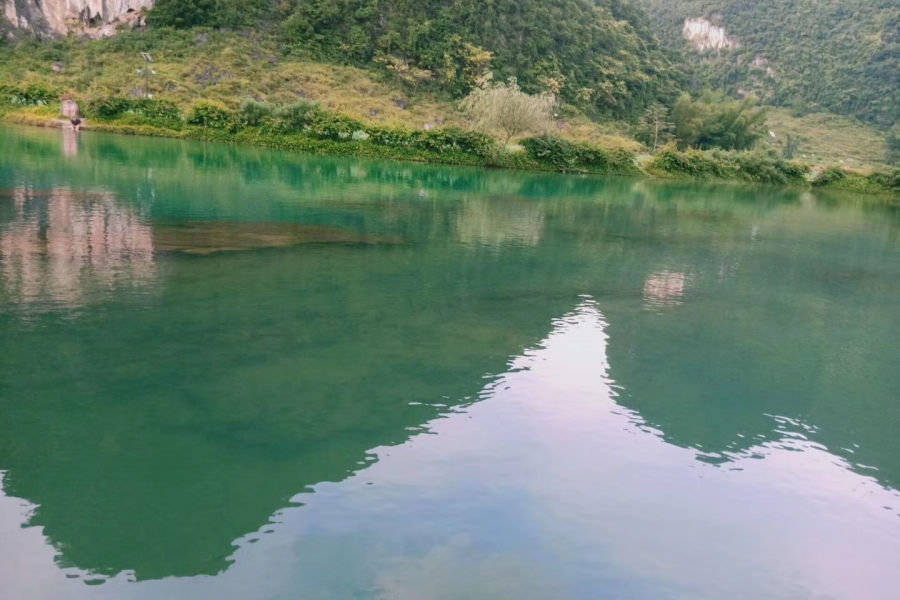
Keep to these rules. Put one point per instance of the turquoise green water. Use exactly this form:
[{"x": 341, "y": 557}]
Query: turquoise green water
[{"x": 235, "y": 373}]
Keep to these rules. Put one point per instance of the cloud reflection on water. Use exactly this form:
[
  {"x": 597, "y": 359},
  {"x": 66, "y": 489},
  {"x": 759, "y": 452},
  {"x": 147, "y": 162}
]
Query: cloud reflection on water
[{"x": 548, "y": 487}]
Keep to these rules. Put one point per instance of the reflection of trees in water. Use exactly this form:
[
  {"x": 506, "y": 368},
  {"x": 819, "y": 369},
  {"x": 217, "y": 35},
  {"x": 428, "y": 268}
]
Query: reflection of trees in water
[
  {"x": 496, "y": 223},
  {"x": 63, "y": 246}
]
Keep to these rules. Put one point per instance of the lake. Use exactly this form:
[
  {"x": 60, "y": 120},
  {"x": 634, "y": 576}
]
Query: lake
[{"x": 235, "y": 373}]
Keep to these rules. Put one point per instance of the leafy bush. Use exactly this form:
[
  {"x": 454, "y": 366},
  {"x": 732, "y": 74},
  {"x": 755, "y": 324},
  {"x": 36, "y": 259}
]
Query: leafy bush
[
  {"x": 327, "y": 125},
  {"x": 879, "y": 182},
  {"x": 890, "y": 180},
  {"x": 293, "y": 117},
  {"x": 552, "y": 150},
  {"x": 750, "y": 166},
  {"x": 830, "y": 176},
  {"x": 768, "y": 167},
  {"x": 252, "y": 113},
  {"x": 109, "y": 108},
  {"x": 33, "y": 94},
  {"x": 210, "y": 114},
  {"x": 157, "y": 110},
  {"x": 563, "y": 155}
]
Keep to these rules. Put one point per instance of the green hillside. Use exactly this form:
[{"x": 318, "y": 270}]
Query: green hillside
[
  {"x": 371, "y": 66},
  {"x": 841, "y": 56},
  {"x": 600, "y": 54}
]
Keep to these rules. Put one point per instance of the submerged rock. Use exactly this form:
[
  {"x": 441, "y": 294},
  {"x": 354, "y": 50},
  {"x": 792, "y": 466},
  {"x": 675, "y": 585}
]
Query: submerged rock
[{"x": 220, "y": 236}]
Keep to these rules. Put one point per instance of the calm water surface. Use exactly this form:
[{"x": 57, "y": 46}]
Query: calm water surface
[{"x": 230, "y": 373}]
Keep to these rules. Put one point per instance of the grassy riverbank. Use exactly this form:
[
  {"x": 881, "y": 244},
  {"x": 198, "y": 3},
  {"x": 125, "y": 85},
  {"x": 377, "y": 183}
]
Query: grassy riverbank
[{"x": 307, "y": 127}]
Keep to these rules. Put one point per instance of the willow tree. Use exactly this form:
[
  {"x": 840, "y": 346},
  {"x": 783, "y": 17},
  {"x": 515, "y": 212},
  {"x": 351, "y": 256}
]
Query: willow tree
[{"x": 504, "y": 107}]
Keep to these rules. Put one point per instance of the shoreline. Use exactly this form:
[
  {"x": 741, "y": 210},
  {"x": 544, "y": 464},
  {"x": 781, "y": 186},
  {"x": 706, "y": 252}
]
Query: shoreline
[{"x": 848, "y": 182}]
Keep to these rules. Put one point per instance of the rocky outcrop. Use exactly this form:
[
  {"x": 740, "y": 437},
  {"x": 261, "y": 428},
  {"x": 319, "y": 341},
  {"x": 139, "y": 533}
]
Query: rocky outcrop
[
  {"x": 706, "y": 36},
  {"x": 96, "y": 18}
]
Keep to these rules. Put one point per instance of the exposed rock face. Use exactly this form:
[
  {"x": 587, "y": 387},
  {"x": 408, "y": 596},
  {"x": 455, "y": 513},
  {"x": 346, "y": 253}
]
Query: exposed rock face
[
  {"x": 97, "y": 18},
  {"x": 706, "y": 36}
]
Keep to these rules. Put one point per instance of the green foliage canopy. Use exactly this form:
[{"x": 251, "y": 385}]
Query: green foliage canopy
[
  {"x": 185, "y": 14},
  {"x": 711, "y": 121}
]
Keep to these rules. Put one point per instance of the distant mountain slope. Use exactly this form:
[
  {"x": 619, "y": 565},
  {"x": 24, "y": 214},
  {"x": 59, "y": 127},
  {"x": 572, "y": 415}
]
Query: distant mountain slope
[{"x": 836, "y": 55}]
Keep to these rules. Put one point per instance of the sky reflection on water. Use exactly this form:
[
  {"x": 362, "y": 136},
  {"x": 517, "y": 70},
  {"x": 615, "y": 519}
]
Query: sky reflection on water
[{"x": 544, "y": 488}]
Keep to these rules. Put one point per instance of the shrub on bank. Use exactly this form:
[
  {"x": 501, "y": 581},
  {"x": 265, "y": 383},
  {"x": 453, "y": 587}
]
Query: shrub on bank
[
  {"x": 436, "y": 140},
  {"x": 32, "y": 94},
  {"x": 890, "y": 180},
  {"x": 252, "y": 113},
  {"x": 157, "y": 112},
  {"x": 305, "y": 126},
  {"x": 749, "y": 166},
  {"x": 879, "y": 182},
  {"x": 213, "y": 115},
  {"x": 563, "y": 155},
  {"x": 292, "y": 118}
]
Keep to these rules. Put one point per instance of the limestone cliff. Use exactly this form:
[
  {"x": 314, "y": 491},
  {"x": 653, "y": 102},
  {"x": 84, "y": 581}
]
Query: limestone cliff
[
  {"x": 97, "y": 18},
  {"x": 706, "y": 36}
]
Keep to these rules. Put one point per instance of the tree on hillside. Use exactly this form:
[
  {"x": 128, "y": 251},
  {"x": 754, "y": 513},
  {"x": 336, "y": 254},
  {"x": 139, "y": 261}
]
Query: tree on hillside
[
  {"x": 655, "y": 126},
  {"x": 713, "y": 121},
  {"x": 182, "y": 14},
  {"x": 790, "y": 148},
  {"x": 504, "y": 107}
]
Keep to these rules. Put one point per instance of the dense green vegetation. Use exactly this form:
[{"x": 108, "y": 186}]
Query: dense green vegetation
[
  {"x": 308, "y": 127},
  {"x": 184, "y": 14},
  {"x": 600, "y": 54},
  {"x": 877, "y": 182},
  {"x": 753, "y": 167},
  {"x": 837, "y": 55},
  {"x": 711, "y": 121}
]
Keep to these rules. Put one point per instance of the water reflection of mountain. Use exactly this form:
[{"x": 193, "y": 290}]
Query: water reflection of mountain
[
  {"x": 150, "y": 440},
  {"x": 60, "y": 246},
  {"x": 151, "y": 437},
  {"x": 768, "y": 341}
]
